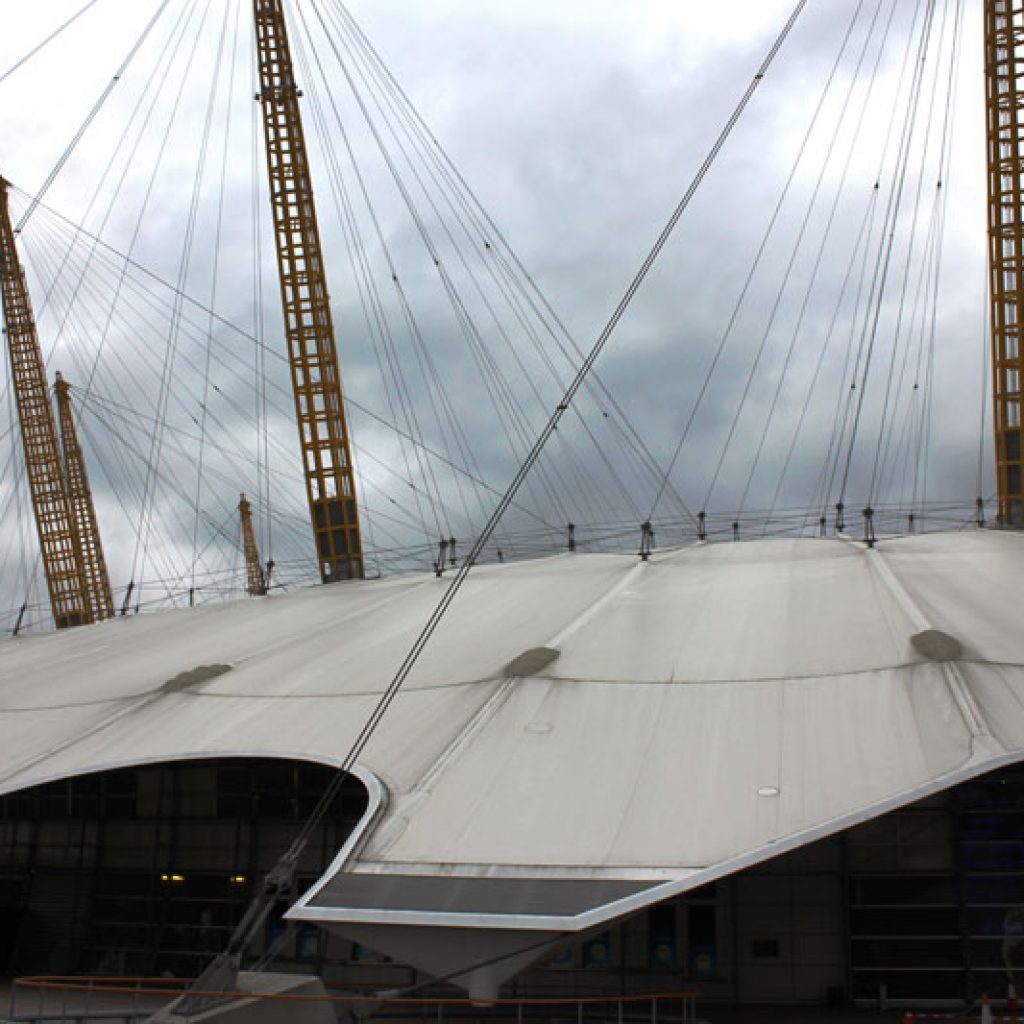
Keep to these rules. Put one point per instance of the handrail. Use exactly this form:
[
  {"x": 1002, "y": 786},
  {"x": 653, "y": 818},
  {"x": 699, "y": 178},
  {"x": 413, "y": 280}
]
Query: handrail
[{"x": 177, "y": 986}]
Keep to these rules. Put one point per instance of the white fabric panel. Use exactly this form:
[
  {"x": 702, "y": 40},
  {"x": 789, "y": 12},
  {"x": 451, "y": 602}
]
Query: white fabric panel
[{"x": 682, "y": 687}]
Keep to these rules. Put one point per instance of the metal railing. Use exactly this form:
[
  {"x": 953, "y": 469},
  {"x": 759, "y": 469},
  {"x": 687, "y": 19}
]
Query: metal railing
[{"x": 40, "y": 999}]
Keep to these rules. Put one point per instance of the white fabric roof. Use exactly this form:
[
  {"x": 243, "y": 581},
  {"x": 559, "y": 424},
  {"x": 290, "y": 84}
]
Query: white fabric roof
[{"x": 681, "y": 688}]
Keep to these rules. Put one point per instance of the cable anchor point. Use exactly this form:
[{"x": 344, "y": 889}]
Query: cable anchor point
[
  {"x": 442, "y": 550},
  {"x": 869, "y": 526},
  {"x": 646, "y": 541}
]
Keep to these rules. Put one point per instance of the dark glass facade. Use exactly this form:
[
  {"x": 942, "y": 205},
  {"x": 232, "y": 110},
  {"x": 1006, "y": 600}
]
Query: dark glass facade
[{"x": 145, "y": 871}]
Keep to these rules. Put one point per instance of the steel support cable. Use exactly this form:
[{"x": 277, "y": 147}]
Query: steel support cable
[
  {"x": 638, "y": 455},
  {"x": 905, "y": 278},
  {"x": 234, "y": 456},
  {"x": 146, "y": 274},
  {"x": 455, "y": 202},
  {"x": 238, "y": 454},
  {"x": 519, "y": 278},
  {"x": 461, "y": 313},
  {"x": 939, "y": 203},
  {"x": 889, "y": 238},
  {"x": 149, "y": 496},
  {"x": 35, "y": 200},
  {"x": 435, "y": 386},
  {"x": 90, "y": 117},
  {"x": 515, "y": 295},
  {"x": 46, "y": 41},
  {"x": 103, "y": 414},
  {"x": 200, "y": 174},
  {"x": 241, "y": 936},
  {"x": 893, "y": 404},
  {"x": 134, "y": 420},
  {"x": 116, "y": 422},
  {"x": 502, "y": 397},
  {"x": 479, "y": 481},
  {"x": 117, "y": 484},
  {"x": 787, "y": 272},
  {"x": 40, "y": 260},
  {"x": 946, "y": 147},
  {"x": 157, "y": 72},
  {"x": 438, "y": 396},
  {"x": 117, "y": 449},
  {"x": 399, "y": 126},
  {"x": 819, "y": 256},
  {"x": 129, "y": 261},
  {"x": 926, "y": 288},
  {"x": 257, "y": 177},
  {"x": 748, "y": 281},
  {"x": 983, "y": 433},
  {"x": 927, "y": 425},
  {"x": 138, "y": 316},
  {"x": 485, "y": 361},
  {"x": 918, "y": 329},
  {"x": 921, "y": 454},
  {"x": 126, "y": 477},
  {"x": 138, "y": 351},
  {"x": 848, "y": 393},
  {"x": 87, "y": 375},
  {"x": 369, "y": 295},
  {"x": 844, "y": 400},
  {"x": 897, "y": 458},
  {"x": 826, "y": 344}
]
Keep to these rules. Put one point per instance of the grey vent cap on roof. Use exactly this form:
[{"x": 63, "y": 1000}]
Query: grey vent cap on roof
[
  {"x": 530, "y": 662},
  {"x": 935, "y": 645}
]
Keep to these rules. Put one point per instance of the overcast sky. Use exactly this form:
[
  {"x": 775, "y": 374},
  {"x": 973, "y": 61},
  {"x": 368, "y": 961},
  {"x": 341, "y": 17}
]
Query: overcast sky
[{"x": 579, "y": 125}]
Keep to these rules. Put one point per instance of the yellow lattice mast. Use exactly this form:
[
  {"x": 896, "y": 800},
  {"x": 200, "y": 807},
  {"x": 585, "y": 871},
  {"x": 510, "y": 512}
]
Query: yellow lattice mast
[
  {"x": 256, "y": 580},
  {"x": 58, "y": 537},
  {"x": 319, "y": 407},
  {"x": 1004, "y": 98},
  {"x": 83, "y": 510}
]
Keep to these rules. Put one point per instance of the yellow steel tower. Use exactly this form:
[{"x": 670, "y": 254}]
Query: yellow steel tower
[
  {"x": 83, "y": 511},
  {"x": 58, "y": 537},
  {"x": 1004, "y": 89},
  {"x": 256, "y": 580},
  {"x": 319, "y": 407}
]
